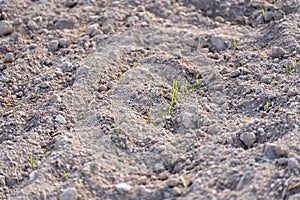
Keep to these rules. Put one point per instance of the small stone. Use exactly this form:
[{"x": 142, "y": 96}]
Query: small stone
[
  {"x": 172, "y": 181},
  {"x": 260, "y": 130},
  {"x": 2, "y": 181},
  {"x": 163, "y": 176},
  {"x": 142, "y": 180},
  {"x": 278, "y": 14},
  {"x": 245, "y": 180},
  {"x": 5, "y": 28},
  {"x": 55, "y": 98},
  {"x": 235, "y": 74},
  {"x": 273, "y": 151},
  {"x": 124, "y": 187},
  {"x": 298, "y": 49},
  {"x": 60, "y": 119},
  {"x": 293, "y": 164},
  {"x": 132, "y": 19},
  {"x": 66, "y": 66},
  {"x": 292, "y": 92},
  {"x": 93, "y": 30},
  {"x": 63, "y": 42},
  {"x": 9, "y": 57},
  {"x": 218, "y": 43},
  {"x": 158, "y": 167},
  {"x": 53, "y": 45},
  {"x": 220, "y": 19},
  {"x": 176, "y": 191},
  {"x": 248, "y": 138},
  {"x": 32, "y": 25},
  {"x": 213, "y": 129},
  {"x": 277, "y": 52},
  {"x": 68, "y": 195},
  {"x": 268, "y": 16},
  {"x": 32, "y": 175},
  {"x": 266, "y": 79}
]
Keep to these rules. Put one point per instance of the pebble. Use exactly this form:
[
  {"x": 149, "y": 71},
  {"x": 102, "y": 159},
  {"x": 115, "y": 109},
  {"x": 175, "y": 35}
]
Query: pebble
[
  {"x": 142, "y": 180},
  {"x": 220, "y": 19},
  {"x": 53, "y": 45},
  {"x": 124, "y": 187},
  {"x": 172, "y": 181},
  {"x": 218, "y": 43},
  {"x": 266, "y": 79},
  {"x": 273, "y": 151},
  {"x": 248, "y": 138},
  {"x": 60, "y": 119},
  {"x": 66, "y": 66},
  {"x": 213, "y": 129},
  {"x": 5, "y": 28},
  {"x": 93, "y": 30},
  {"x": 163, "y": 176},
  {"x": 69, "y": 194},
  {"x": 268, "y": 16},
  {"x": 245, "y": 180},
  {"x": 292, "y": 92},
  {"x": 55, "y": 98},
  {"x": 132, "y": 19},
  {"x": 63, "y": 42},
  {"x": 32, "y": 175},
  {"x": 9, "y": 57},
  {"x": 32, "y": 25},
  {"x": 277, "y": 52},
  {"x": 2, "y": 181},
  {"x": 235, "y": 74}
]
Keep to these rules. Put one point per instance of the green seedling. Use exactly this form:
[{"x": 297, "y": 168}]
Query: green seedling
[
  {"x": 108, "y": 93},
  {"x": 273, "y": 82},
  {"x": 185, "y": 182},
  {"x": 117, "y": 134},
  {"x": 267, "y": 106},
  {"x": 234, "y": 44},
  {"x": 186, "y": 86},
  {"x": 263, "y": 14},
  {"x": 174, "y": 94},
  {"x": 196, "y": 83},
  {"x": 287, "y": 69},
  {"x": 34, "y": 93},
  {"x": 150, "y": 99},
  {"x": 31, "y": 162},
  {"x": 78, "y": 186},
  {"x": 295, "y": 65},
  {"x": 134, "y": 65},
  {"x": 58, "y": 197},
  {"x": 66, "y": 176},
  {"x": 13, "y": 113},
  {"x": 148, "y": 118},
  {"x": 121, "y": 77},
  {"x": 160, "y": 114},
  {"x": 126, "y": 119},
  {"x": 18, "y": 106}
]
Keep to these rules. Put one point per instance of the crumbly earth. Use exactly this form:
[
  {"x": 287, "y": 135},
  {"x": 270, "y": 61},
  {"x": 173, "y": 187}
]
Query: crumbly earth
[{"x": 143, "y": 99}]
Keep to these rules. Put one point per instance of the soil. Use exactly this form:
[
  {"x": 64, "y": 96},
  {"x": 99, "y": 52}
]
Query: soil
[{"x": 170, "y": 99}]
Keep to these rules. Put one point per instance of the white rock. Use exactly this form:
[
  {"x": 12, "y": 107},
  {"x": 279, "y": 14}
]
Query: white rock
[
  {"x": 32, "y": 25},
  {"x": 272, "y": 151},
  {"x": 248, "y": 138},
  {"x": 60, "y": 119},
  {"x": 132, "y": 19},
  {"x": 277, "y": 52},
  {"x": 5, "y": 28},
  {"x": 32, "y": 175},
  {"x": 124, "y": 186},
  {"x": 53, "y": 45}
]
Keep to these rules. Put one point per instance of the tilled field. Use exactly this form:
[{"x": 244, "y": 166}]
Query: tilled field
[{"x": 186, "y": 99}]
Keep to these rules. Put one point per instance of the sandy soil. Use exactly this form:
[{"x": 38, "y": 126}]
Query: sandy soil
[{"x": 142, "y": 99}]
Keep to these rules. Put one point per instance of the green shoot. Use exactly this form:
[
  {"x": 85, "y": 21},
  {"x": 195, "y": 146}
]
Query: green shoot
[
  {"x": 34, "y": 93},
  {"x": 273, "y": 82},
  {"x": 58, "y": 197},
  {"x": 151, "y": 51},
  {"x": 134, "y": 65},
  {"x": 121, "y": 76},
  {"x": 182, "y": 91},
  {"x": 287, "y": 69},
  {"x": 78, "y": 186},
  {"x": 126, "y": 119},
  {"x": 31, "y": 162},
  {"x": 108, "y": 93},
  {"x": 13, "y": 113},
  {"x": 186, "y": 86},
  {"x": 149, "y": 118},
  {"x": 150, "y": 100},
  {"x": 117, "y": 134},
  {"x": 18, "y": 106},
  {"x": 263, "y": 14},
  {"x": 234, "y": 44},
  {"x": 185, "y": 182},
  {"x": 174, "y": 93},
  {"x": 267, "y": 106},
  {"x": 66, "y": 176},
  {"x": 295, "y": 65},
  {"x": 196, "y": 83},
  {"x": 160, "y": 114}
]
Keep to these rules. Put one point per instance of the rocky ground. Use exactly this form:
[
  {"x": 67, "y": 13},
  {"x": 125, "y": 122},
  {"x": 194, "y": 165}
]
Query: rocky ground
[{"x": 142, "y": 99}]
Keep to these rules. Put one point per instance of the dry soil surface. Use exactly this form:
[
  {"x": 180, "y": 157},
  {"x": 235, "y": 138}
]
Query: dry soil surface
[{"x": 143, "y": 99}]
